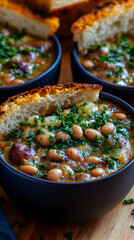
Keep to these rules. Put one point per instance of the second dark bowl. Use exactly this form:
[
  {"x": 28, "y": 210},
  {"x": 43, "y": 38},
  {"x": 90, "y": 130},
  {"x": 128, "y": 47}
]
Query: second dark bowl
[
  {"x": 81, "y": 75},
  {"x": 49, "y": 77},
  {"x": 69, "y": 202}
]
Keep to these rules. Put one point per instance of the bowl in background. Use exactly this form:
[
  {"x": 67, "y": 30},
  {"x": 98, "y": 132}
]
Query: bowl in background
[
  {"x": 49, "y": 77},
  {"x": 81, "y": 75},
  {"x": 69, "y": 202}
]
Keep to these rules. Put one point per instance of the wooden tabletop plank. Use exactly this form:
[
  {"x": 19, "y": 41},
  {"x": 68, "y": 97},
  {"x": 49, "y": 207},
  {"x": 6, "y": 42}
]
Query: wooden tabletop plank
[{"x": 115, "y": 225}]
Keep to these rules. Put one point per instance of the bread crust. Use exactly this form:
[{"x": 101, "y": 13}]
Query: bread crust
[
  {"x": 111, "y": 15},
  {"x": 42, "y": 101},
  {"x": 20, "y": 16}
]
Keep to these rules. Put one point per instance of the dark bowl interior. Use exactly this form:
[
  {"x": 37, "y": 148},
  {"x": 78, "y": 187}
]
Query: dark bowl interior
[
  {"x": 49, "y": 77},
  {"x": 69, "y": 202},
  {"x": 81, "y": 75}
]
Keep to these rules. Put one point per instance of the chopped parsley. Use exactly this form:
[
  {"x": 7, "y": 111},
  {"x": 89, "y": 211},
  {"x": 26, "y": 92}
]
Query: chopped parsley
[
  {"x": 91, "y": 166},
  {"x": 30, "y": 138},
  {"x": 51, "y": 138},
  {"x": 40, "y": 131},
  {"x": 63, "y": 144},
  {"x": 106, "y": 149},
  {"x": 132, "y": 212},
  {"x": 15, "y": 133},
  {"x": 128, "y": 201},
  {"x": 80, "y": 170},
  {"x": 111, "y": 163}
]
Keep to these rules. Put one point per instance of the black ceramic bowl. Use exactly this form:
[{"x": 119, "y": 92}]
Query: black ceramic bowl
[
  {"x": 49, "y": 77},
  {"x": 81, "y": 75},
  {"x": 69, "y": 202}
]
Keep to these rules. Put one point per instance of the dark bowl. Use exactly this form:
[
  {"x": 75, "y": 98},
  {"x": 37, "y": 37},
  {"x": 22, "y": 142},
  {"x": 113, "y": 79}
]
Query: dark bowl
[
  {"x": 49, "y": 77},
  {"x": 69, "y": 202},
  {"x": 81, "y": 75}
]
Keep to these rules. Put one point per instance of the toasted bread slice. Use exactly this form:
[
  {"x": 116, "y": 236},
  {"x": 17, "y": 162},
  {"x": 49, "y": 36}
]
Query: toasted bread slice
[
  {"x": 67, "y": 11},
  {"x": 103, "y": 23},
  {"x": 42, "y": 101},
  {"x": 21, "y": 17}
]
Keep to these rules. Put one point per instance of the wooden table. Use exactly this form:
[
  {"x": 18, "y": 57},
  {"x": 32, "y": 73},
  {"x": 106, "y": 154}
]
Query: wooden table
[{"x": 113, "y": 226}]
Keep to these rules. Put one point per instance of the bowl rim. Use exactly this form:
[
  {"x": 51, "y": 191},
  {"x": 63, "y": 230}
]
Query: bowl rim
[
  {"x": 104, "y": 96},
  {"x": 57, "y": 44},
  {"x": 74, "y": 52}
]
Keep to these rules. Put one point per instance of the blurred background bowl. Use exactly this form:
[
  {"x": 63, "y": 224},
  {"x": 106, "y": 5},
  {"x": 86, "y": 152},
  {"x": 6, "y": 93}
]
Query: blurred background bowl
[
  {"x": 69, "y": 202},
  {"x": 81, "y": 75},
  {"x": 49, "y": 77}
]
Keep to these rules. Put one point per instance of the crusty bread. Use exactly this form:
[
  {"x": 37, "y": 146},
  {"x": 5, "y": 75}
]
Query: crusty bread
[
  {"x": 113, "y": 18},
  {"x": 21, "y": 17},
  {"x": 67, "y": 11},
  {"x": 41, "y": 101}
]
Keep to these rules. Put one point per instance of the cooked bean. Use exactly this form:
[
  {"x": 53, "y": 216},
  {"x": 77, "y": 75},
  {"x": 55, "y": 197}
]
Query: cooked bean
[
  {"x": 3, "y": 144},
  {"x": 20, "y": 153},
  {"x": 73, "y": 154},
  {"x": 62, "y": 135},
  {"x": 77, "y": 131},
  {"x": 108, "y": 128},
  {"x": 30, "y": 170},
  {"x": 16, "y": 81},
  {"x": 55, "y": 154},
  {"x": 97, "y": 172},
  {"x": 54, "y": 174},
  {"x": 88, "y": 64},
  {"x": 43, "y": 139},
  {"x": 119, "y": 116},
  {"x": 93, "y": 160},
  {"x": 91, "y": 134}
]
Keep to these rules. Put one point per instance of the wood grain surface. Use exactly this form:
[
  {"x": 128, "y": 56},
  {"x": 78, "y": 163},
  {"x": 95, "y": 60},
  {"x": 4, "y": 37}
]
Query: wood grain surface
[{"x": 113, "y": 226}]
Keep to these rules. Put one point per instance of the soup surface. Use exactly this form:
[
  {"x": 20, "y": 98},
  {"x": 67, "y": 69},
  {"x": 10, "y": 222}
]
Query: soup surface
[
  {"x": 23, "y": 57},
  {"x": 112, "y": 61},
  {"x": 86, "y": 142}
]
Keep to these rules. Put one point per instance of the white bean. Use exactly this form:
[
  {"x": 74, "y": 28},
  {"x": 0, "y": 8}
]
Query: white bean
[
  {"x": 43, "y": 138},
  {"x": 16, "y": 81},
  {"x": 88, "y": 64},
  {"x": 119, "y": 116},
  {"x": 62, "y": 135},
  {"x": 54, "y": 174},
  {"x": 3, "y": 144},
  {"x": 93, "y": 160},
  {"x": 73, "y": 154},
  {"x": 108, "y": 128},
  {"x": 97, "y": 172},
  {"x": 91, "y": 134},
  {"x": 28, "y": 169},
  {"x": 55, "y": 154},
  {"x": 77, "y": 131}
]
